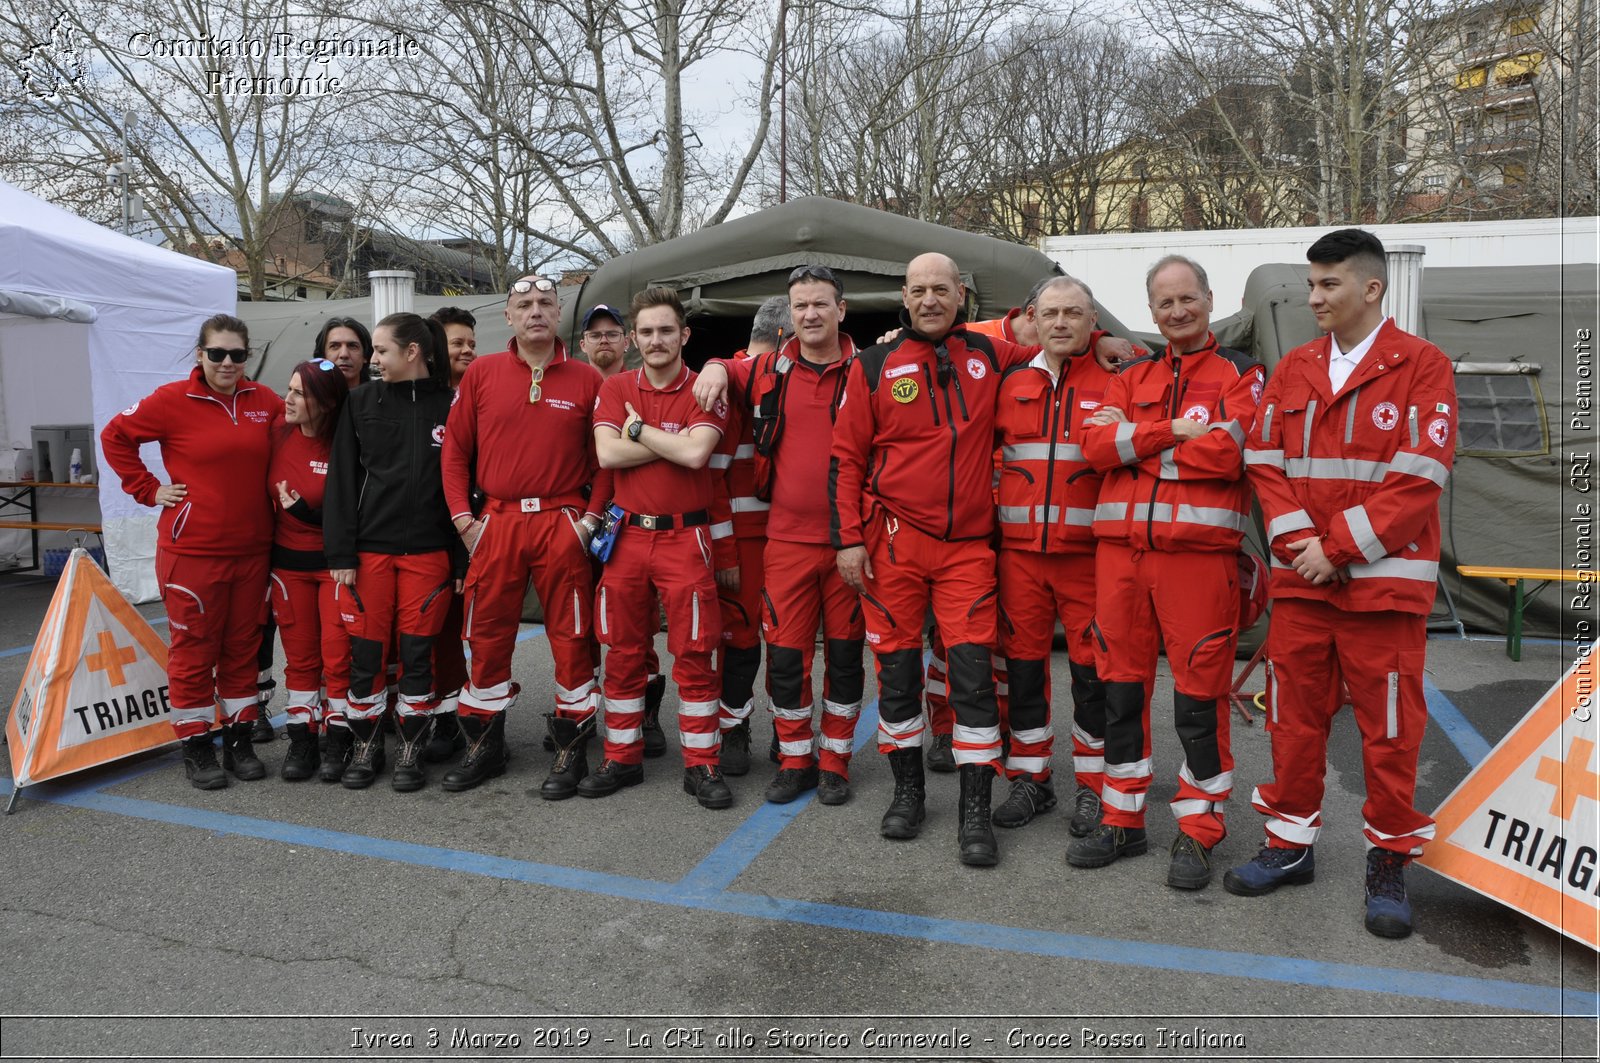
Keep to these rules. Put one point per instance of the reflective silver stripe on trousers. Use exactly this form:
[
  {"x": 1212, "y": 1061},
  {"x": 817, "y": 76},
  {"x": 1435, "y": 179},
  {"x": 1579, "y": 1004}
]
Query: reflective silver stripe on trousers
[
  {"x": 1392, "y": 706},
  {"x": 1361, "y": 532}
]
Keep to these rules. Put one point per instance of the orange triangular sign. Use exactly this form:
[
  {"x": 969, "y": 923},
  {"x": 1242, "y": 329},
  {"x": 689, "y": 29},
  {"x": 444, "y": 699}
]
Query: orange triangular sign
[
  {"x": 1521, "y": 827},
  {"x": 95, "y": 689}
]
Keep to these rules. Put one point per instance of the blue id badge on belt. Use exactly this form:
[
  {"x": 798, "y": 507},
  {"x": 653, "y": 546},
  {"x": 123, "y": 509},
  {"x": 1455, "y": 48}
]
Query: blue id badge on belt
[{"x": 605, "y": 539}]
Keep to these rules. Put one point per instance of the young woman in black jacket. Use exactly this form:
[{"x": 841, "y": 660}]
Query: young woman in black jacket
[{"x": 389, "y": 541}]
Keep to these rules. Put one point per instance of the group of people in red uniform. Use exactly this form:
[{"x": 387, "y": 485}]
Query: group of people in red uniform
[{"x": 800, "y": 485}]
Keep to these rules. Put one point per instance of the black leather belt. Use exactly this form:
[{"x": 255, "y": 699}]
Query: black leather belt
[{"x": 653, "y": 522}]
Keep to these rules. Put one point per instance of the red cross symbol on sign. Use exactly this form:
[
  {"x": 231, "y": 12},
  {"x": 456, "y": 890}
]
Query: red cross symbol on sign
[
  {"x": 111, "y": 658},
  {"x": 1571, "y": 778}
]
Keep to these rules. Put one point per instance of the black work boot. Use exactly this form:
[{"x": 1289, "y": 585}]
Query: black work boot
[
  {"x": 1085, "y": 812},
  {"x": 610, "y": 777},
  {"x": 790, "y": 783},
  {"x": 238, "y": 755},
  {"x": 445, "y": 741},
  {"x": 486, "y": 753},
  {"x": 337, "y": 741},
  {"x": 408, "y": 772},
  {"x": 903, "y": 819},
  {"x": 261, "y": 730},
  {"x": 942, "y": 754},
  {"x": 975, "y": 836},
  {"x": 708, "y": 786},
  {"x": 302, "y": 760},
  {"x": 655, "y": 739},
  {"x": 1027, "y": 799},
  {"x": 735, "y": 754},
  {"x": 200, "y": 764},
  {"x": 366, "y": 753},
  {"x": 1105, "y": 844},
  {"x": 571, "y": 740}
]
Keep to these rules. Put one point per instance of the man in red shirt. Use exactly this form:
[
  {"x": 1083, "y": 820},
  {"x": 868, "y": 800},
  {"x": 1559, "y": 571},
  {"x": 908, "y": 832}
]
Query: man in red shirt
[
  {"x": 1170, "y": 519},
  {"x": 910, "y": 487},
  {"x": 521, "y": 422},
  {"x": 651, "y": 433},
  {"x": 792, "y": 394},
  {"x": 604, "y": 342}
]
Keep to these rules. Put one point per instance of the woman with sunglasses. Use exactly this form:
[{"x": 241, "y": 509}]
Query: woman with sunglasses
[
  {"x": 389, "y": 542},
  {"x": 212, "y": 539},
  {"x": 316, "y": 649}
]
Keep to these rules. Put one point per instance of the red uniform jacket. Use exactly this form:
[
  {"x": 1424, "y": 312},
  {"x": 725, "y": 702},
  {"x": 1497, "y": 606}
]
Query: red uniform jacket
[
  {"x": 1047, "y": 490},
  {"x": 302, "y": 462},
  {"x": 1362, "y": 469},
  {"x": 1159, "y": 494},
  {"x": 920, "y": 447},
  {"x": 218, "y": 446}
]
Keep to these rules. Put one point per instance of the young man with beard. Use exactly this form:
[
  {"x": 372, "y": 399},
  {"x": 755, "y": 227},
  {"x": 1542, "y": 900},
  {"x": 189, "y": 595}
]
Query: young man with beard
[{"x": 656, "y": 439}]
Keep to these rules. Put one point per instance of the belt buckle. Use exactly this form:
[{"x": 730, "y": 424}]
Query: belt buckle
[
  {"x": 647, "y": 522},
  {"x": 530, "y": 505}
]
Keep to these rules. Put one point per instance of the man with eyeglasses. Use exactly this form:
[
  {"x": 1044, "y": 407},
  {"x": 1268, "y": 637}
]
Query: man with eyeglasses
[
  {"x": 521, "y": 420},
  {"x": 604, "y": 340},
  {"x": 910, "y": 487},
  {"x": 793, "y": 394}
]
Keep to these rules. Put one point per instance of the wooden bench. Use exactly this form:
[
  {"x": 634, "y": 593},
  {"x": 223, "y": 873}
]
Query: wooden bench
[
  {"x": 45, "y": 525},
  {"x": 1514, "y": 579}
]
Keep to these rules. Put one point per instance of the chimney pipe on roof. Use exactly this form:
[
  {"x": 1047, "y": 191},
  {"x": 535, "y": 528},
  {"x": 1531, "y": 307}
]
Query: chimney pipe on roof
[{"x": 393, "y": 292}]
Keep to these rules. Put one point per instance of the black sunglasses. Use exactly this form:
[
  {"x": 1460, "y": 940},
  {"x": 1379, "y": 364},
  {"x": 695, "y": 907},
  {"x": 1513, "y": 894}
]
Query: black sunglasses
[{"x": 238, "y": 355}]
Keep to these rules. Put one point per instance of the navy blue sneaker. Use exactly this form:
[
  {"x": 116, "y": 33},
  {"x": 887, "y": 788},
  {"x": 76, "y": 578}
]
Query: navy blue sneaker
[
  {"x": 1270, "y": 869},
  {"x": 1388, "y": 909}
]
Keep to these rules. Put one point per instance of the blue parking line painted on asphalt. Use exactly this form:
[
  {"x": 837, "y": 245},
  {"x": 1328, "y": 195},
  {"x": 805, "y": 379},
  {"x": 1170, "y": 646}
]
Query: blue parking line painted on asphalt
[
  {"x": 1455, "y": 726},
  {"x": 1520, "y": 996},
  {"x": 724, "y": 864}
]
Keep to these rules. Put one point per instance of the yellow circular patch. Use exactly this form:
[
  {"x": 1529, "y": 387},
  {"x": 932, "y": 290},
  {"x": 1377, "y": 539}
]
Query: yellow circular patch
[{"x": 904, "y": 389}]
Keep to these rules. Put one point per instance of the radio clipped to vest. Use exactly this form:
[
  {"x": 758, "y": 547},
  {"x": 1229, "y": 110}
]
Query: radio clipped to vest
[
  {"x": 767, "y": 385},
  {"x": 605, "y": 540}
]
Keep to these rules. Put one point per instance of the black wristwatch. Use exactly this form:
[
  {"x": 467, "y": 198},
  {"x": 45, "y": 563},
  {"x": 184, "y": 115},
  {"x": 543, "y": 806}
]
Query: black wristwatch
[{"x": 634, "y": 429}]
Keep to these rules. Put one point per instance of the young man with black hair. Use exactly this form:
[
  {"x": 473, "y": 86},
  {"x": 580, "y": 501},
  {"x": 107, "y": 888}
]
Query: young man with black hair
[{"x": 1353, "y": 443}]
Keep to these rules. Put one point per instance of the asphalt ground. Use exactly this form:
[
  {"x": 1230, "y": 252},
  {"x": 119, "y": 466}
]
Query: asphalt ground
[{"x": 140, "y": 918}]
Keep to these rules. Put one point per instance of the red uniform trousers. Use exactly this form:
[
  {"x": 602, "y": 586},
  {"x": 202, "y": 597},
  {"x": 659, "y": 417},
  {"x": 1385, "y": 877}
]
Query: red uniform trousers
[
  {"x": 739, "y": 656},
  {"x": 1189, "y": 602},
  {"x": 215, "y": 609},
  {"x": 1311, "y": 647},
  {"x": 1036, "y": 590},
  {"x": 652, "y": 661},
  {"x": 803, "y": 588},
  {"x": 674, "y": 567},
  {"x": 911, "y": 571},
  {"x": 936, "y": 688},
  {"x": 404, "y": 593},
  {"x": 449, "y": 656},
  {"x": 316, "y": 648},
  {"x": 547, "y": 548}
]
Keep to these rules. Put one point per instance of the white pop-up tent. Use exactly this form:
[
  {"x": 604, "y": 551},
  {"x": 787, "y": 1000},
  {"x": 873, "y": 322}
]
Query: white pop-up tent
[{"x": 92, "y": 321}]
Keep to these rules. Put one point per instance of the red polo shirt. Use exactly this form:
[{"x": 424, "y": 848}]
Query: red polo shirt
[
  {"x": 661, "y": 486},
  {"x": 521, "y": 449}
]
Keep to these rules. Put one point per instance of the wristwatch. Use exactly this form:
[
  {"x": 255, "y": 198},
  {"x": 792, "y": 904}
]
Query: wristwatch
[{"x": 634, "y": 429}]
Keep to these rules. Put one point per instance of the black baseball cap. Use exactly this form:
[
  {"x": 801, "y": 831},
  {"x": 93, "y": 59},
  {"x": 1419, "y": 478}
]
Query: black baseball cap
[{"x": 602, "y": 308}]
